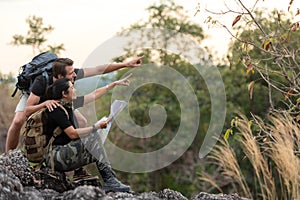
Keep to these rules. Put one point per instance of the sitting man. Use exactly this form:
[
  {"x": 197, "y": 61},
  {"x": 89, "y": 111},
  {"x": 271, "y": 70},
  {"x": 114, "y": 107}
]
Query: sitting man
[{"x": 68, "y": 150}]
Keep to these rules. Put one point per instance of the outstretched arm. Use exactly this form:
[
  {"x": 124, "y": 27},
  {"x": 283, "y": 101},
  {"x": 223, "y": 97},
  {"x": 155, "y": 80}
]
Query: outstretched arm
[
  {"x": 79, "y": 132},
  {"x": 103, "y": 69},
  {"x": 103, "y": 90}
]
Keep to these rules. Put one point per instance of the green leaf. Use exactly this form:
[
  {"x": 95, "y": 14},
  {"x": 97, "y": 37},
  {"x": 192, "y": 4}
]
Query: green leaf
[
  {"x": 266, "y": 45},
  {"x": 232, "y": 123},
  {"x": 227, "y": 133},
  {"x": 250, "y": 123}
]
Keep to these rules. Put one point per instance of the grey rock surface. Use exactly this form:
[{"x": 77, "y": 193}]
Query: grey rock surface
[
  {"x": 17, "y": 163},
  {"x": 206, "y": 196},
  {"x": 10, "y": 185},
  {"x": 19, "y": 181}
]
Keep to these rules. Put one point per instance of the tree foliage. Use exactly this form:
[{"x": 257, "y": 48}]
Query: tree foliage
[
  {"x": 166, "y": 15},
  {"x": 273, "y": 61},
  {"x": 36, "y": 37},
  {"x": 179, "y": 175},
  {"x": 264, "y": 56},
  {"x": 266, "y": 47}
]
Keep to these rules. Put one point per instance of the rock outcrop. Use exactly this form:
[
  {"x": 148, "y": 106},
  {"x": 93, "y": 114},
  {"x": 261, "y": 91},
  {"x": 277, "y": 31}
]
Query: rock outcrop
[{"x": 19, "y": 181}]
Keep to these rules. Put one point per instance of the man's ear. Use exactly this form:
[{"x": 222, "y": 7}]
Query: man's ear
[
  {"x": 60, "y": 76},
  {"x": 63, "y": 94}
]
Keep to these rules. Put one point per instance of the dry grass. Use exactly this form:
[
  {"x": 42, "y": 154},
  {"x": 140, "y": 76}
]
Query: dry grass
[
  {"x": 224, "y": 155},
  {"x": 283, "y": 150},
  {"x": 272, "y": 150},
  {"x": 258, "y": 160},
  {"x": 7, "y": 104},
  {"x": 7, "y": 111},
  {"x": 206, "y": 177}
]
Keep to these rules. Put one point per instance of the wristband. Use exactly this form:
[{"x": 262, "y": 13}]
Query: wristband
[
  {"x": 94, "y": 129},
  {"x": 106, "y": 87}
]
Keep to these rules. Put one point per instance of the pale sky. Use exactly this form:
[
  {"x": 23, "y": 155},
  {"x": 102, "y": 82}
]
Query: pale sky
[{"x": 84, "y": 25}]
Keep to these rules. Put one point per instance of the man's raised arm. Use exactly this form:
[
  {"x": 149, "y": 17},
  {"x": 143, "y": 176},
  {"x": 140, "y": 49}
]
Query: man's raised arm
[
  {"x": 103, "y": 90},
  {"x": 103, "y": 69}
]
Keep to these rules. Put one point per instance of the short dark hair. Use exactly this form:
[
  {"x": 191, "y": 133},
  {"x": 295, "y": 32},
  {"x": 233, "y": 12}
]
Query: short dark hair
[
  {"x": 55, "y": 90},
  {"x": 59, "y": 66}
]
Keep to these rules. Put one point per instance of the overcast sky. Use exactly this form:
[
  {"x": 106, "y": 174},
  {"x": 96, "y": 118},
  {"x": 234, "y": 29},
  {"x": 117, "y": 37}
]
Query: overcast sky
[{"x": 83, "y": 25}]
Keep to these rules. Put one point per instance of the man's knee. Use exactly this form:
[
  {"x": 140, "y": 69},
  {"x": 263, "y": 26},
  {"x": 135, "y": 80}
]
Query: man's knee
[{"x": 19, "y": 119}]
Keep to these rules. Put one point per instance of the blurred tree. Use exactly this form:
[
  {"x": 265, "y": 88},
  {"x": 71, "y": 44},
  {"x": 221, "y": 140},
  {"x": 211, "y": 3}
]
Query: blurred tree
[
  {"x": 35, "y": 37},
  {"x": 168, "y": 16},
  {"x": 250, "y": 88},
  {"x": 7, "y": 106}
]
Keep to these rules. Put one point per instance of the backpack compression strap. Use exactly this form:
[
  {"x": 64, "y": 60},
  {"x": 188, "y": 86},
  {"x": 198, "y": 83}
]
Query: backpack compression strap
[{"x": 15, "y": 91}]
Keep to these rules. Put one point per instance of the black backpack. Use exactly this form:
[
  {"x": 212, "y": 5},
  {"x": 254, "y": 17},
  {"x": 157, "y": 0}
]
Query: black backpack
[{"x": 40, "y": 64}]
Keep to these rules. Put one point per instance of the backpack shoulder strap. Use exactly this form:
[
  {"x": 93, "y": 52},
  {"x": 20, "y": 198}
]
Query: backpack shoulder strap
[
  {"x": 62, "y": 107},
  {"x": 46, "y": 76},
  {"x": 57, "y": 131}
]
